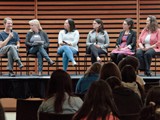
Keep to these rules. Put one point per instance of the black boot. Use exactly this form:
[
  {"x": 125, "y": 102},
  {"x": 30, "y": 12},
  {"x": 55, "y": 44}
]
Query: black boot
[{"x": 11, "y": 74}]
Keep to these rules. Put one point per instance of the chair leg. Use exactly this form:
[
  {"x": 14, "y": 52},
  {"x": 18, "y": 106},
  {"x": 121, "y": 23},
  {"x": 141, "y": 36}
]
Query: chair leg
[
  {"x": 1, "y": 67},
  {"x": 48, "y": 69},
  {"x": 155, "y": 66},
  {"x": 56, "y": 62},
  {"x": 27, "y": 65}
]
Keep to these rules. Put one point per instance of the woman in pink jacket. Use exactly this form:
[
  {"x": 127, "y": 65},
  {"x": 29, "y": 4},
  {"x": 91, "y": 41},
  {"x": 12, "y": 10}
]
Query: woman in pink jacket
[{"x": 149, "y": 44}]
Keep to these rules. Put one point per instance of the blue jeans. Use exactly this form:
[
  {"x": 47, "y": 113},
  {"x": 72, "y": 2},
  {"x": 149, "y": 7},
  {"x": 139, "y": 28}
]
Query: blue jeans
[
  {"x": 67, "y": 53},
  {"x": 40, "y": 52}
]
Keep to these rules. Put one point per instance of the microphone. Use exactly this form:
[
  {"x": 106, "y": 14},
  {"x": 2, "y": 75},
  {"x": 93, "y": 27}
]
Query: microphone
[{"x": 12, "y": 32}]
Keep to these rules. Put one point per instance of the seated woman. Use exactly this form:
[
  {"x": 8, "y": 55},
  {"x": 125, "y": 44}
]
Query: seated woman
[
  {"x": 97, "y": 41},
  {"x": 37, "y": 42},
  {"x": 126, "y": 42},
  {"x": 91, "y": 75},
  {"x": 59, "y": 98},
  {"x": 68, "y": 40},
  {"x": 98, "y": 104},
  {"x": 148, "y": 42}
]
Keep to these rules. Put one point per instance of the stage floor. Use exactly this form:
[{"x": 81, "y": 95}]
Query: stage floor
[{"x": 35, "y": 86}]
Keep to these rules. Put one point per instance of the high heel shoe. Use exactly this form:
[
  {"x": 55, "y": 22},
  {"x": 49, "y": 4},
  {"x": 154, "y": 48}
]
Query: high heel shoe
[{"x": 51, "y": 63}]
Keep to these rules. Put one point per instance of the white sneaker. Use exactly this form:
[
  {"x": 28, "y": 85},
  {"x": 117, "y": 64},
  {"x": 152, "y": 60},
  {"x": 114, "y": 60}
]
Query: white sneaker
[{"x": 74, "y": 63}]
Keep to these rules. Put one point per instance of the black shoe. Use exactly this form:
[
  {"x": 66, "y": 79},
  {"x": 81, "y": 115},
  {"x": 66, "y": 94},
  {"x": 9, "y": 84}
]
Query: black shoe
[
  {"x": 148, "y": 73},
  {"x": 11, "y": 74}
]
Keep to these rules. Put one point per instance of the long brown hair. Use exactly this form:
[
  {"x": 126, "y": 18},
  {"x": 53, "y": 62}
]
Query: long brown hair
[
  {"x": 59, "y": 84},
  {"x": 93, "y": 69},
  {"x": 110, "y": 69},
  {"x": 98, "y": 102},
  {"x": 153, "y": 26}
]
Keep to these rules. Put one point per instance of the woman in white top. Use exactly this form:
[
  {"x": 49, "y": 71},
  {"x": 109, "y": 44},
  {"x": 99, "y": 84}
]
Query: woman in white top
[{"x": 68, "y": 40}]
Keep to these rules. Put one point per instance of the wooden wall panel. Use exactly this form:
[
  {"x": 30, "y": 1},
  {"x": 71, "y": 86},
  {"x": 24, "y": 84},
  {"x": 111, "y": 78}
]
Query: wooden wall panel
[{"x": 52, "y": 14}]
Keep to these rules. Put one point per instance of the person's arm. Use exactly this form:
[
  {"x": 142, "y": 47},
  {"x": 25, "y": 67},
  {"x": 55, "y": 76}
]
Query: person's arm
[
  {"x": 60, "y": 38},
  {"x": 157, "y": 43},
  {"x": 106, "y": 41},
  {"x": 28, "y": 37},
  {"x": 46, "y": 44},
  {"x": 88, "y": 41},
  {"x": 4, "y": 42},
  {"x": 76, "y": 39},
  {"x": 141, "y": 46},
  {"x": 133, "y": 41}
]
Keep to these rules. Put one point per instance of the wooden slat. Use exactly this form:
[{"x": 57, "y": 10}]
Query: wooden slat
[{"x": 52, "y": 14}]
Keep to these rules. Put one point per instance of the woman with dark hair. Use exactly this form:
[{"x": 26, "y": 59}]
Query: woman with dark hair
[
  {"x": 98, "y": 104},
  {"x": 91, "y": 75},
  {"x": 110, "y": 69},
  {"x": 148, "y": 42},
  {"x": 126, "y": 42},
  {"x": 68, "y": 40},
  {"x": 133, "y": 61},
  {"x": 129, "y": 80},
  {"x": 97, "y": 41},
  {"x": 59, "y": 98},
  {"x": 123, "y": 97},
  {"x": 151, "y": 110}
]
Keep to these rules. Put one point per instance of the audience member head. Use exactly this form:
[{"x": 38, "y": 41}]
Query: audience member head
[
  {"x": 129, "y": 60},
  {"x": 151, "y": 23},
  {"x": 69, "y": 25},
  {"x": 152, "y": 109},
  {"x": 114, "y": 82},
  {"x": 110, "y": 69},
  {"x": 59, "y": 84},
  {"x": 98, "y": 102},
  {"x": 93, "y": 69},
  {"x": 35, "y": 25},
  {"x": 128, "y": 24},
  {"x": 128, "y": 74}
]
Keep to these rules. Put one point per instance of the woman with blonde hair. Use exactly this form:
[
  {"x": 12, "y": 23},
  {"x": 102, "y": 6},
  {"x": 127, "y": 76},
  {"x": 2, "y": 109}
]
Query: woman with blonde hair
[{"x": 37, "y": 42}]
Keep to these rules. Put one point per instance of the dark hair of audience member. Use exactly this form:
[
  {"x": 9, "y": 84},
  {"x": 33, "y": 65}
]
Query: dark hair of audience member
[
  {"x": 93, "y": 69},
  {"x": 59, "y": 83},
  {"x": 129, "y": 60},
  {"x": 110, "y": 69},
  {"x": 128, "y": 74},
  {"x": 114, "y": 82},
  {"x": 152, "y": 109},
  {"x": 98, "y": 102}
]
